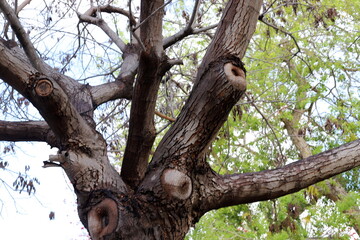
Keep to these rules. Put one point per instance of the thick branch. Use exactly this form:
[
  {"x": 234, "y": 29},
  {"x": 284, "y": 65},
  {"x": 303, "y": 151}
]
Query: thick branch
[
  {"x": 151, "y": 68},
  {"x": 219, "y": 85},
  {"x": 236, "y": 189},
  {"x": 234, "y": 32},
  {"x": 204, "y": 113},
  {"x": 54, "y": 106},
  {"x": 27, "y": 131},
  {"x": 109, "y": 91},
  {"x": 22, "y": 36},
  {"x": 123, "y": 86}
]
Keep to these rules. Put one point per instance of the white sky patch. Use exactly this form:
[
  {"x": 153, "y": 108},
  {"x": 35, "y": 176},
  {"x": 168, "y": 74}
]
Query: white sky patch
[{"x": 27, "y": 217}]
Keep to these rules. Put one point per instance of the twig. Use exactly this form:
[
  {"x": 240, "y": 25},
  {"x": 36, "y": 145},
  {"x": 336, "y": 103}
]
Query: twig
[
  {"x": 164, "y": 116},
  {"x": 261, "y": 19},
  {"x": 184, "y": 33},
  {"x": 267, "y": 123}
]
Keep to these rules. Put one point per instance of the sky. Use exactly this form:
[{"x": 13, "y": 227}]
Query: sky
[{"x": 27, "y": 217}]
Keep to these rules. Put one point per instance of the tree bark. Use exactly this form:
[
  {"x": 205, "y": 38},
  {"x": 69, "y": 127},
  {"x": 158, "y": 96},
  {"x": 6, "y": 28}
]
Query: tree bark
[{"x": 163, "y": 199}]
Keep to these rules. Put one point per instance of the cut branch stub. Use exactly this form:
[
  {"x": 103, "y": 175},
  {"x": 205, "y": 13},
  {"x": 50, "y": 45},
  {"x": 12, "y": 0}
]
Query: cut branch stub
[
  {"x": 44, "y": 87},
  {"x": 235, "y": 75},
  {"x": 103, "y": 219},
  {"x": 176, "y": 184}
]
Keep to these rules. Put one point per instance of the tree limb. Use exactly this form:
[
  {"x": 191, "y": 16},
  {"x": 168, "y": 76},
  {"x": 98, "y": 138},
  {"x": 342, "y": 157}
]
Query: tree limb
[
  {"x": 27, "y": 131},
  {"x": 188, "y": 30},
  {"x": 152, "y": 67},
  {"x": 98, "y": 21},
  {"x": 83, "y": 150},
  {"x": 22, "y": 36},
  {"x": 66, "y": 122},
  {"x": 169, "y": 41},
  {"x": 111, "y": 9},
  {"x": 109, "y": 91},
  {"x": 232, "y": 35},
  {"x": 259, "y": 186},
  {"x": 214, "y": 92}
]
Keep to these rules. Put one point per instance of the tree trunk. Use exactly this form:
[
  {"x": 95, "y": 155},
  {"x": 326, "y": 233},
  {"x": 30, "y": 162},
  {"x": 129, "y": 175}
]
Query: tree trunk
[{"x": 164, "y": 198}]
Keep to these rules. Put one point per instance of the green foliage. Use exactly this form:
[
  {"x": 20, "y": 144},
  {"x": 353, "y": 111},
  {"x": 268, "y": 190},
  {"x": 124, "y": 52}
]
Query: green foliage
[{"x": 303, "y": 73}]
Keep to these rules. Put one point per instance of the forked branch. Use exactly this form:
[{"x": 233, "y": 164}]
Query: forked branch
[
  {"x": 188, "y": 30},
  {"x": 98, "y": 21}
]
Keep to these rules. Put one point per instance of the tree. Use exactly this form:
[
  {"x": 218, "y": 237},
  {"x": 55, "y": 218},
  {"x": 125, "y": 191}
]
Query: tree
[{"x": 163, "y": 197}]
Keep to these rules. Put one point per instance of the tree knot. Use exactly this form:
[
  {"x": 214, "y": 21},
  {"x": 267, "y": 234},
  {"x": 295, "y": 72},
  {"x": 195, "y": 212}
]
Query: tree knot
[
  {"x": 176, "y": 184},
  {"x": 235, "y": 72}
]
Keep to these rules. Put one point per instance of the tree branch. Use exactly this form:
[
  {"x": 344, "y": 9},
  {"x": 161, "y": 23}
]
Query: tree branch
[
  {"x": 261, "y": 19},
  {"x": 207, "y": 108},
  {"x": 152, "y": 67},
  {"x": 27, "y": 131},
  {"x": 236, "y": 189},
  {"x": 234, "y": 32},
  {"x": 218, "y": 86},
  {"x": 164, "y": 116},
  {"x": 169, "y": 41},
  {"x": 188, "y": 30},
  {"x": 22, "y": 36},
  {"x": 88, "y": 17},
  {"x": 111, "y": 9},
  {"x": 83, "y": 150},
  {"x": 44, "y": 93},
  {"x": 268, "y": 124},
  {"x": 109, "y": 91}
]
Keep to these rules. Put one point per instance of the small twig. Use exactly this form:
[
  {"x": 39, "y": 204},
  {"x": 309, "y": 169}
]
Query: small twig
[
  {"x": 163, "y": 128},
  {"x": 131, "y": 25},
  {"x": 267, "y": 9},
  {"x": 138, "y": 40},
  {"x": 261, "y": 19},
  {"x": 267, "y": 123},
  {"x": 164, "y": 116},
  {"x": 200, "y": 30},
  {"x": 179, "y": 86}
]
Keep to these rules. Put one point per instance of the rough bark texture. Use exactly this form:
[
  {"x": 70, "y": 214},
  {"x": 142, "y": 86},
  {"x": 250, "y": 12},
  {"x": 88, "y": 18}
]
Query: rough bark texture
[
  {"x": 151, "y": 69},
  {"x": 163, "y": 199}
]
